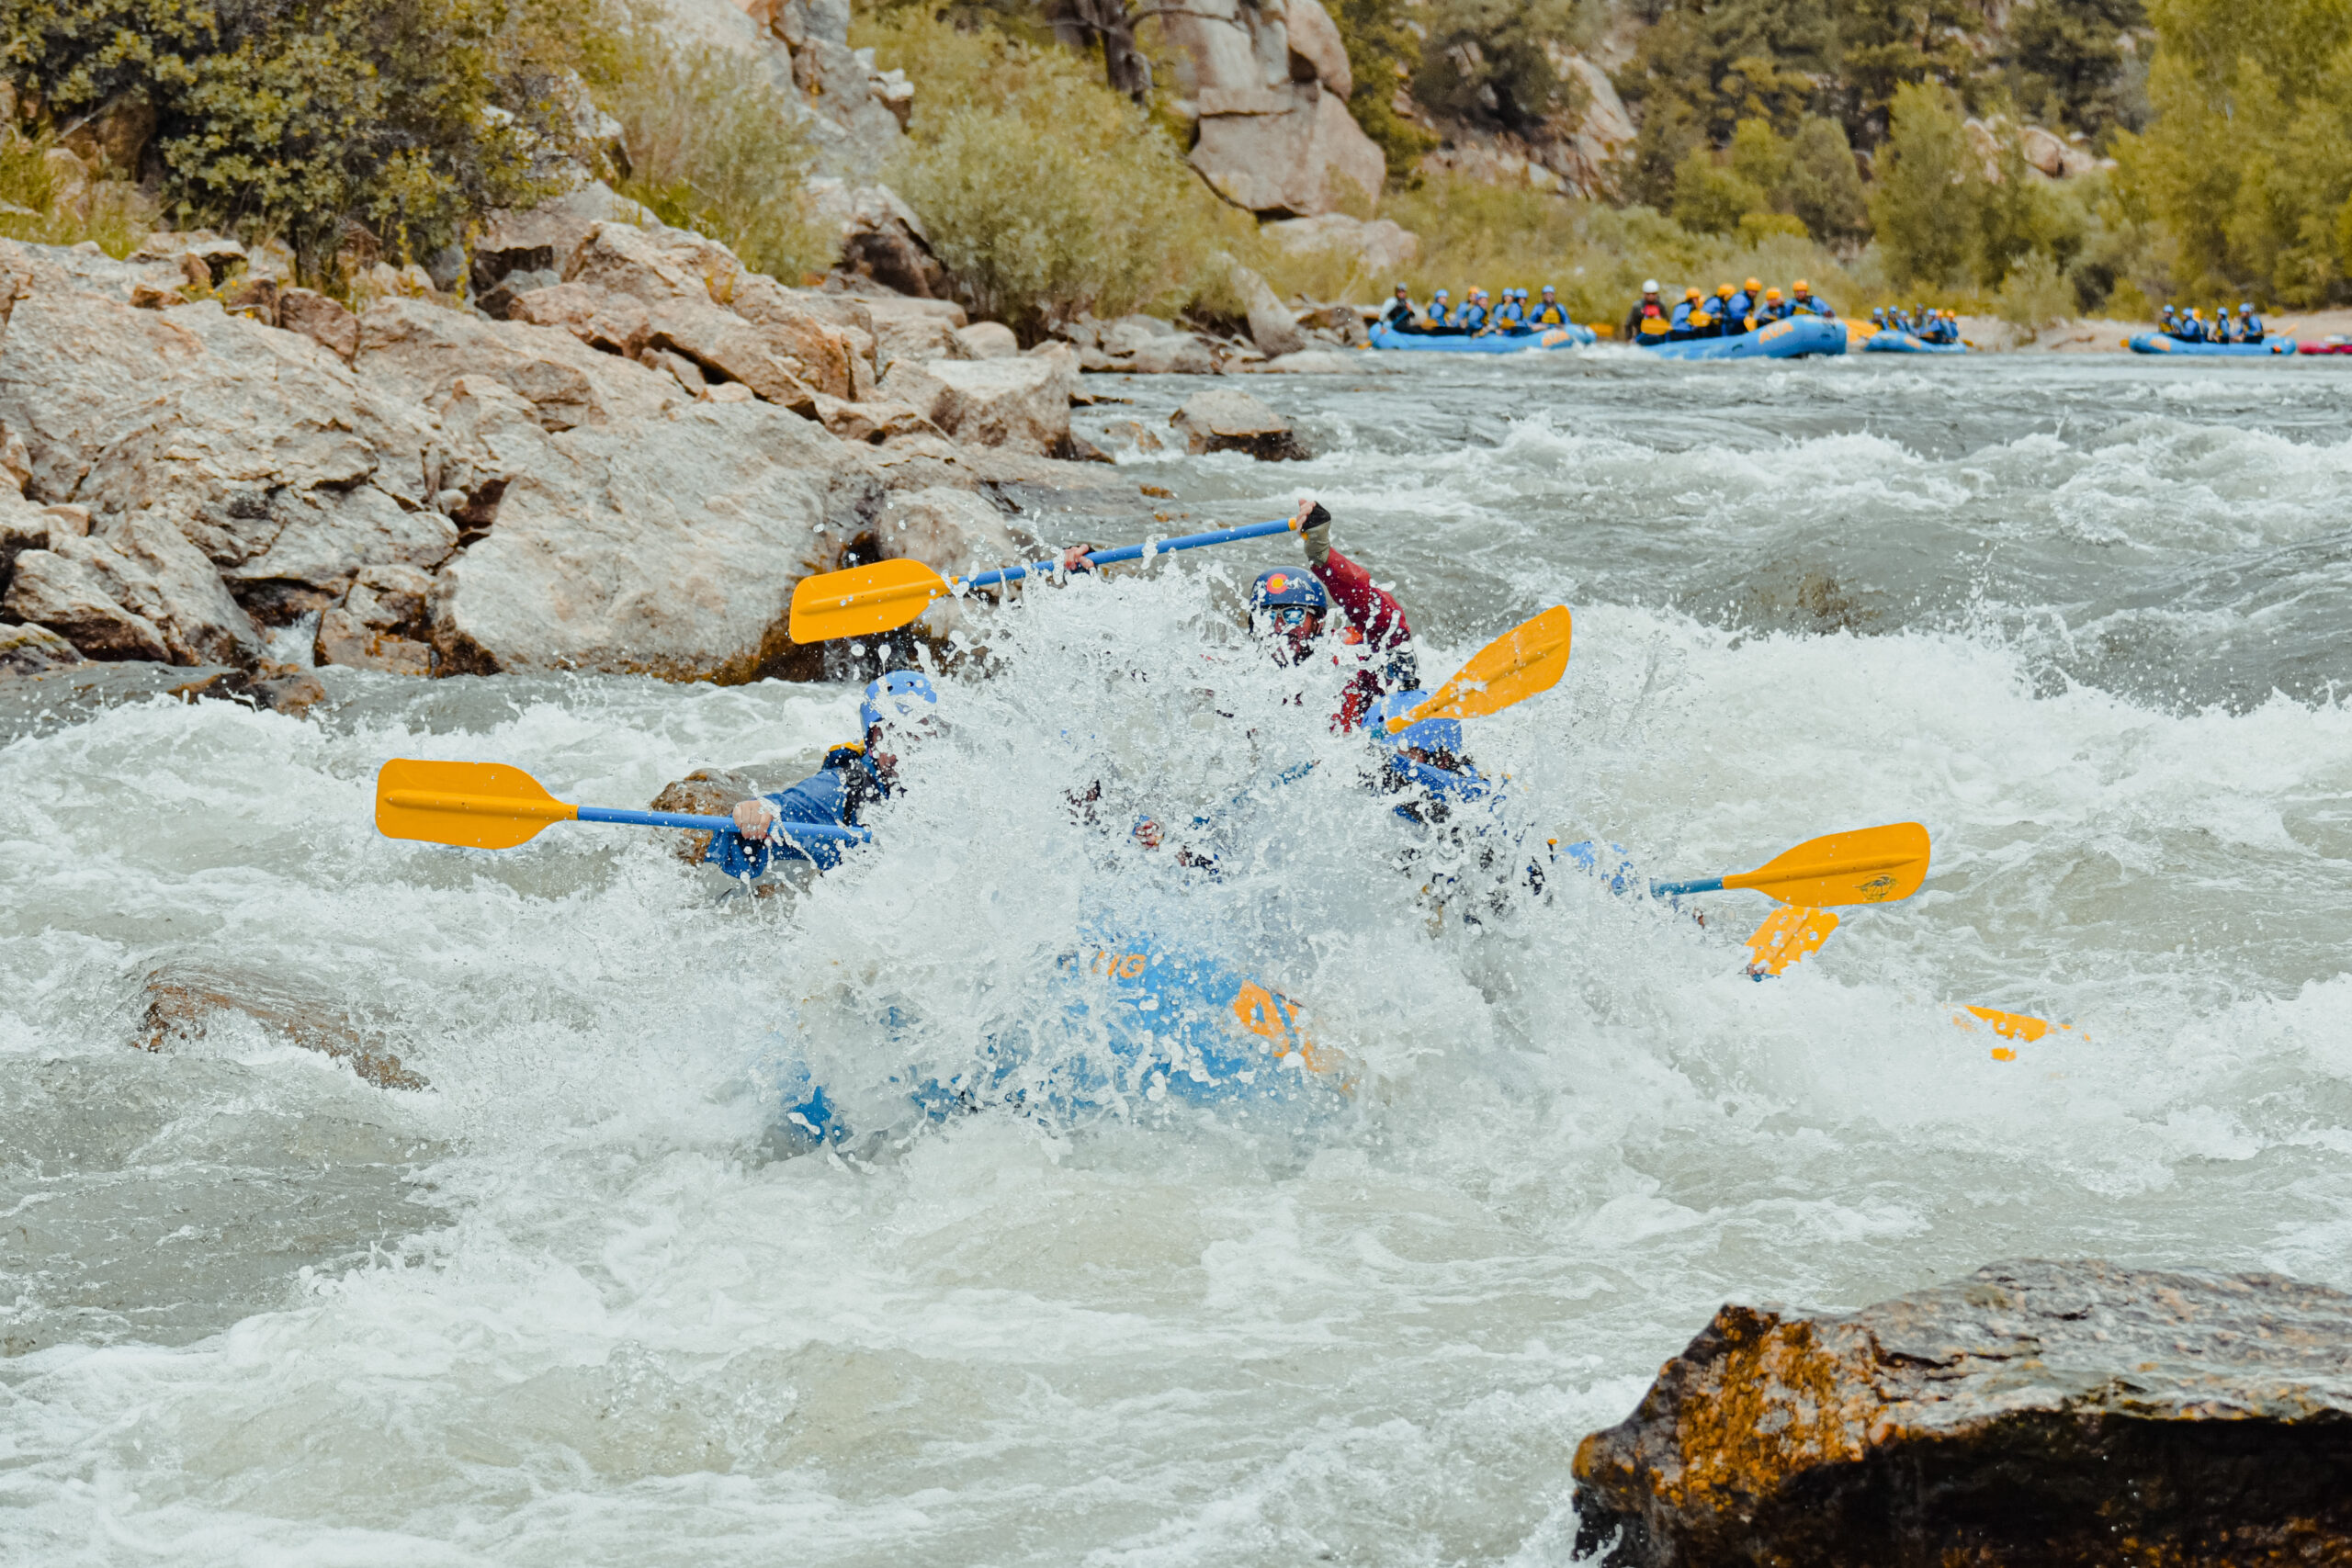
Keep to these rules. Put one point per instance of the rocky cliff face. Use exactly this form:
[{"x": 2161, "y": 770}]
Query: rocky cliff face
[
  {"x": 629, "y": 473},
  {"x": 1269, "y": 82}
]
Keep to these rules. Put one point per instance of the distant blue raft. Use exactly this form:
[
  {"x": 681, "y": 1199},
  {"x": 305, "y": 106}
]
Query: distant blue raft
[
  {"x": 1886, "y": 340},
  {"x": 1128, "y": 1024},
  {"x": 1570, "y": 336},
  {"x": 1792, "y": 339},
  {"x": 2157, "y": 342}
]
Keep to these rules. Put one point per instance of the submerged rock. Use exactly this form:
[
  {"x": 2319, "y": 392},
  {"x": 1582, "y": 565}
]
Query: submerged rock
[
  {"x": 2036, "y": 1413},
  {"x": 185, "y": 1002},
  {"x": 29, "y": 650},
  {"x": 1222, "y": 421}
]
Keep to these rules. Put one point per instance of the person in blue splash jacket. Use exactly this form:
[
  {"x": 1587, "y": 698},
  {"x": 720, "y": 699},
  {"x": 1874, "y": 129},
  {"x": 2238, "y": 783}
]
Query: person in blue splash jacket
[{"x": 897, "y": 711}]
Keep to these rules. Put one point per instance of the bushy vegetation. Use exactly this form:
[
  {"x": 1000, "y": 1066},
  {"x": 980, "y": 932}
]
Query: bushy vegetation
[
  {"x": 299, "y": 117},
  {"x": 2248, "y": 165},
  {"x": 1490, "y": 60},
  {"x": 50, "y": 197},
  {"x": 712, "y": 146},
  {"x": 1047, "y": 193},
  {"x": 1383, "y": 44}
]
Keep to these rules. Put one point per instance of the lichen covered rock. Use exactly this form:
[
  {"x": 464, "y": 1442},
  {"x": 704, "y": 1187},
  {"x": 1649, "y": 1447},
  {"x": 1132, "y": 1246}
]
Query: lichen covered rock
[{"x": 2034, "y": 1413}]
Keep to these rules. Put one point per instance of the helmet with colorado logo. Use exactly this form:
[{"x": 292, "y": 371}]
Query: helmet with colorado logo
[
  {"x": 1281, "y": 587},
  {"x": 901, "y": 695}
]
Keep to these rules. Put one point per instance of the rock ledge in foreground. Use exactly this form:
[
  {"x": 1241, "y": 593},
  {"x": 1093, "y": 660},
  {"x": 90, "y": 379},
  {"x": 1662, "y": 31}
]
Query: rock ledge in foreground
[{"x": 2036, "y": 1414}]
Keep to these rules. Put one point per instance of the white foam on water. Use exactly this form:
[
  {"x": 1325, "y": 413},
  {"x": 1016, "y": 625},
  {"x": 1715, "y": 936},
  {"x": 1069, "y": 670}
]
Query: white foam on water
[{"x": 614, "y": 1327}]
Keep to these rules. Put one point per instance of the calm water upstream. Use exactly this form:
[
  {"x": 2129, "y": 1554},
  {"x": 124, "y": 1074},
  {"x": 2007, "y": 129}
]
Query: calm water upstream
[{"x": 2085, "y": 618}]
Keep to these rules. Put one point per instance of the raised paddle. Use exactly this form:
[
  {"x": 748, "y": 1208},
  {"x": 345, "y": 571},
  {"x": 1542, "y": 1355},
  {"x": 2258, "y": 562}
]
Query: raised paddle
[
  {"x": 1524, "y": 662},
  {"x": 489, "y": 806},
  {"x": 887, "y": 595},
  {"x": 1867, "y": 865}
]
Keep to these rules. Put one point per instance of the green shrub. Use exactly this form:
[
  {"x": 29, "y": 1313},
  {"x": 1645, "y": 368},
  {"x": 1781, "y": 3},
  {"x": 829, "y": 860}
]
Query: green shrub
[
  {"x": 1384, "y": 51},
  {"x": 1046, "y": 194},
  {"x": 39, "y": 204},
  {"x": 1490, "y": 60},
  {"x": 300, "y": 116},
  {"x": 714, "y": 146},
  {"x": 1710, "y": 198},
  {"x": 1928, "y": 191},
  {"x": 1822, "y": 186},
  {"x": 2034, "y": 294},
  {"x": 2248, "y": 165}
]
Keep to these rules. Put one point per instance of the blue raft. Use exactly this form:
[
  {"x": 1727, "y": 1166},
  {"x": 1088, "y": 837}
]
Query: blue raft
[
  {"x": 1887, "y": 340},
  {"x": 1792, "y": 339},
  {"x": 1135, "y": 1025},
  {"x": 2158, "y": 343},
  {"x": 1570, "y": 336}
]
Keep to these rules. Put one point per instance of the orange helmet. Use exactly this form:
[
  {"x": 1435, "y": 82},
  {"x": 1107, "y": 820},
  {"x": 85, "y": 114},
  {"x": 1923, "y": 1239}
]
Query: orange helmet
[
  {"x": 1722, "y": 290},
  {"x": 1752, "y": 286},
  {"x": 1771, "y": 294},
  {"x": 1799, "y": 287}
]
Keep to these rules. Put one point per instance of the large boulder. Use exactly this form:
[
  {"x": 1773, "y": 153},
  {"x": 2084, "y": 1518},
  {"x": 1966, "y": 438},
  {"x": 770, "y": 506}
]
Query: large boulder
[
  {"x": 211, "y": 449},
  {"x": 668, "y": 549},
  {"x": 853, "y": 113},
  {"x": 1222, "y": 420},
  {"x": 1272, "y": 326},
  {"x": 1268, "y": 82},
  {"x": 880, "y": 236},
  {"x": 1381, "y": 248},
  {"x": 2034, "y": 1415},
  {"x": 1021, "y": 402}
]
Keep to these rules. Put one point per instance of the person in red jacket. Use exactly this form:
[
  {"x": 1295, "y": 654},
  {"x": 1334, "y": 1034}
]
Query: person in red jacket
[{"x": 1289, "y": 610}]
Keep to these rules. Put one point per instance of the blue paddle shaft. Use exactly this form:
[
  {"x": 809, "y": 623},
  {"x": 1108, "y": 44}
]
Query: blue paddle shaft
[
  {"x": 719, "y": 824},
  {"x": 1133, "y": 552},
  {"x": 1695, "y": 884}
]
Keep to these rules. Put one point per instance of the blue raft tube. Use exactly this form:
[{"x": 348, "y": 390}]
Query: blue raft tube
[{"x": 1795, "y": 337}]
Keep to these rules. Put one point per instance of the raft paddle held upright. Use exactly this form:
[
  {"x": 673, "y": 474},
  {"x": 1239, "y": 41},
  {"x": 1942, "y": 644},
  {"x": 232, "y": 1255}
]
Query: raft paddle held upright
[{"x": 887, "y": 595}]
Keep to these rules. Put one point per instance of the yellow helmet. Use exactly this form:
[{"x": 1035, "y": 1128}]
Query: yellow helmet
[
  {"x": 1752, "y": 286},
  {"x": 1771, "y": 294},
  {"x": 1694, "y": 292},
  {"x": 1799, "y": 286},
  {"x": 1722, "y": 290}
]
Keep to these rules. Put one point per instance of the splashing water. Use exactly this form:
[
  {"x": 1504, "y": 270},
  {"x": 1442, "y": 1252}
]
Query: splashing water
[{"x": 2083, "y": 619}]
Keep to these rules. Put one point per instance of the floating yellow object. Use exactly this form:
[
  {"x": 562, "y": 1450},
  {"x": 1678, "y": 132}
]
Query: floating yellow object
[
  {"x": 2009, "y": 1026},
  {"x": 1788, "y": 934},
  {"x": 1863, "y": 865}
]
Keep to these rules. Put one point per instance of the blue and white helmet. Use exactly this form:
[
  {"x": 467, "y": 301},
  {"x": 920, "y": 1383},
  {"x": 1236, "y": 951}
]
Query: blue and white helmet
[
  {"x": 897, "y": 698},
  {"x": 1285, "y": 586}
]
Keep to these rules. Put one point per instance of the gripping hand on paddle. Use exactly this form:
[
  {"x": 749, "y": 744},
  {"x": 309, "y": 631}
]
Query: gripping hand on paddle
[
  {"x": 1074, "y": 558},
  {"x": 1314, "y": 525},
  {"x": 754, "y": 818}
]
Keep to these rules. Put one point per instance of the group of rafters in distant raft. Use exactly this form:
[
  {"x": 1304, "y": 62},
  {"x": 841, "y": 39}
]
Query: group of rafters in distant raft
[
  {"x": 1516, "y": 316},
  {"x": 1729, "y": 313}
]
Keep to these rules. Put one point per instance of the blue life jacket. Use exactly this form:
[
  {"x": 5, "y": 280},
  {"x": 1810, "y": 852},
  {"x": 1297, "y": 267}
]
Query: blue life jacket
[
  {"x": 2250, "y": 328},
  {"x": 1470, "y": 318},
  {"x": 836, "y": 794},
  {"x": 1548, "y": 313},
  {"x": 1736, "y": 311},
  {"x": 1681, "y": 321},
  {"x": 1508, "y": 317}
]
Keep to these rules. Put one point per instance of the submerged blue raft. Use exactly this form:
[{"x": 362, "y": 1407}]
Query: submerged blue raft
[
  {"x": 1570, "y": 336},
  {"x": 2157, "y": 342},
  {"x": 1792, "y": 339},
  {"x": 1128, "y": 1024},
  {"x": 1887, "y": 340}
]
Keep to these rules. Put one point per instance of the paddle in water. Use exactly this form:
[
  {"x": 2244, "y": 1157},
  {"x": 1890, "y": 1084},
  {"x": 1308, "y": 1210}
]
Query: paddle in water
[
  {"x": 489, "y": 805},
  {"x": 1789, "y": 934},
  {"x": 866, "y": 600}
]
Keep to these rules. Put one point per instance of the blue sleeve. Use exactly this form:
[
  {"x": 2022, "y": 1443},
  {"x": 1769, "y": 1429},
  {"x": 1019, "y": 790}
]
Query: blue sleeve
[{"x": 822, "y": 798}]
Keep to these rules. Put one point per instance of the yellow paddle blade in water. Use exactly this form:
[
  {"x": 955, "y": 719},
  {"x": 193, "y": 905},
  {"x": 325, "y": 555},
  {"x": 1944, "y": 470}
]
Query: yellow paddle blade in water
[
  {"x": 475, "y": 806},
  {"x": 1523, "y": 662},
  {"x": 1868, "y": 865},
  {"x": 1787, "y": 935},
  {"x": 2009, "y": 1026},
  {"x": 864, "y": 600}
]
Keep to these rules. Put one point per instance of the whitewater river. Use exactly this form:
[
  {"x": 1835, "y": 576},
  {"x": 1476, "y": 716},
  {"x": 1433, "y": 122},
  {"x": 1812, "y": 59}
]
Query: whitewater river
[{"x": 2084, "y": 617}]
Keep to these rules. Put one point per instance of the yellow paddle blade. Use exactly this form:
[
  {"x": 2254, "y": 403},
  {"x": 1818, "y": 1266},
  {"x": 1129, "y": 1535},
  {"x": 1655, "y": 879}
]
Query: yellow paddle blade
[
  {"x": 475, "y": 806},
  {"x": 1523, "y": 662},
  {"x": 2009, "y": 1026},
  {"x": 1787, "y": 935},
  {"x": 1869, "y": 866},
  {"x": 863, "y": 600}
]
